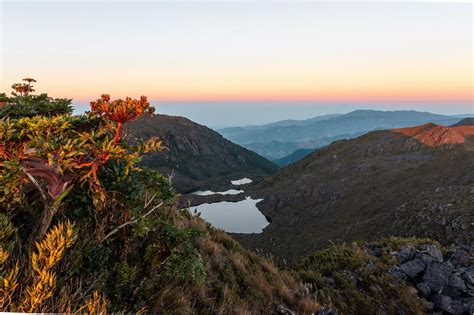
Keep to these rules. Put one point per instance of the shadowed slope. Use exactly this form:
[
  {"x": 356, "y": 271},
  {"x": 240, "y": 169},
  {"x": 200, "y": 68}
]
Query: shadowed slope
[
  {"x": 380, "y": 184},
  {"x": 197, "y": 155}
]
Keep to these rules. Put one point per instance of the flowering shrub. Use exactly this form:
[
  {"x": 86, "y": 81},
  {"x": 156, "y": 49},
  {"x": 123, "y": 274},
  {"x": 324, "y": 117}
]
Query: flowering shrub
[{"x": 50, "y": 164}]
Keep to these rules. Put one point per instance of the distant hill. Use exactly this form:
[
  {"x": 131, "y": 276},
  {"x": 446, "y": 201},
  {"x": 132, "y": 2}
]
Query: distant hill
[
  {"x": 402, "y": 182},
  {"x": 293, "y": 157},
  {"x": 197, "y": 155},
  {"x": 465, "y": 122},
  {"x": 280, "y": 139}
]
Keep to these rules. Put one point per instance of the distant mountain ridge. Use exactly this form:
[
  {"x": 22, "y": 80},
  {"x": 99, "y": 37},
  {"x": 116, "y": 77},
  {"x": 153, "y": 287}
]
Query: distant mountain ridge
[
  {"x": 414, "y": 181},
  {"x": 197, "y": 155},
  {"x": 469, "y": 121},
  {"x": 287, "y": 136}
]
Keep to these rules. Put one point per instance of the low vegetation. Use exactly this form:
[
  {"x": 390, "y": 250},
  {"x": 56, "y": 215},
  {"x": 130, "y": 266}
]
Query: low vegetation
[{"x": 83, "y": 228}]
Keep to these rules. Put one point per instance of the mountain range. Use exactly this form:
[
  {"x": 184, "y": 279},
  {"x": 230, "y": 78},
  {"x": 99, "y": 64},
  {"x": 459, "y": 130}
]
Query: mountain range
[
  {"x": 402, "y": 182},
  {"x": 277, "y": 140}
]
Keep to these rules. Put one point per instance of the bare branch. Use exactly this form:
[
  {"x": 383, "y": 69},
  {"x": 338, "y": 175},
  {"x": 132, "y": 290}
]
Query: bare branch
[
  {"x": 133, "y": 221},
  {"x": 38, "y": 186}
]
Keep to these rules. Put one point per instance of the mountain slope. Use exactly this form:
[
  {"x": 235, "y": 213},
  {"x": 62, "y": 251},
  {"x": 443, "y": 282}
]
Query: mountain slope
[
  {"x": 465, "y": 122},
  {"x": 321, "y": 132},
  {"x": 380, "y": 184},
  {"x": 197, "y": 155},
  {"x": 293, "y": 157}
]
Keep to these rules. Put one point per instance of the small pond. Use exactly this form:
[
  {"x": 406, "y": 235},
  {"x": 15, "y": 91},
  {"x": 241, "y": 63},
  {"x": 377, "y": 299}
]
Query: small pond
[
  {"x": 210, "y": 192},
  {"x": 241, "y": 181},
  {"x": 234, "y": 217}
]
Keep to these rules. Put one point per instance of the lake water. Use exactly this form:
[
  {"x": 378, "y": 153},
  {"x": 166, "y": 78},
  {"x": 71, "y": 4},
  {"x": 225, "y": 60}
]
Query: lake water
[
  {"x": 241, "y": 181},
  {"x": 210, "y": 192},
  {"x": 234, "y": 217}
]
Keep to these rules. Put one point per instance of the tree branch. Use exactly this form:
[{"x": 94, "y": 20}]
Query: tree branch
[
  {"x": 38, "y": 186},
  {"x": 133, "y": 221}
]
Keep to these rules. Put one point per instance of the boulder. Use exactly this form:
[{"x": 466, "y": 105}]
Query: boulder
[
  {"x": 405, "y": 254},
  {"x": 458, "y": 308},
  {"x": 443, "y": 303},
  {"x": 455, "y": 286},
  {"x": 460, "y": 258},
  {"x": 429, "y": 306},
  {"x": 468, "y": 305},
  {"x": 397, "y": 272},
  {"x": 433, "y": 251},
  {"x": 424, "y": 289},
  {"x": 437, "y": 274},
  {"x": 413, "y": 268},
  {"x": 468, "y": 275}
]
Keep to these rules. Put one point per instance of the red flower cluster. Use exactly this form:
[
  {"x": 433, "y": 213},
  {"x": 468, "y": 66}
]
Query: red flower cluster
[{"x": 121, "y": 111}]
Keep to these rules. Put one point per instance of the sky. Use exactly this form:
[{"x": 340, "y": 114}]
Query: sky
[{"x": 199, "y": 58}]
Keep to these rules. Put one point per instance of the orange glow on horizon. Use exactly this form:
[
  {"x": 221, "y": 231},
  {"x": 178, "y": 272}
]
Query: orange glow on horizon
[{"x": 326, "y": 96}]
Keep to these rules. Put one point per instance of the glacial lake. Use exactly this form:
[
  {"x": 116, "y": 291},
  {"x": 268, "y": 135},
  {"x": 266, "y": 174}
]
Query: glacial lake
[
  {"x": 234, "y": 217},
  {"x": 210, "y": 192}
]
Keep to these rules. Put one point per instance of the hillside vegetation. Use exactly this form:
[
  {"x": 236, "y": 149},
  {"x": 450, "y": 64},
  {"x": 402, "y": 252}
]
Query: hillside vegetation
[{"x": 84, "y": 229}]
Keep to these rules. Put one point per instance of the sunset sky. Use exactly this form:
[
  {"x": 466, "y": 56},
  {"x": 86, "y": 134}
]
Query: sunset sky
[{"x": 206, "y": 51}]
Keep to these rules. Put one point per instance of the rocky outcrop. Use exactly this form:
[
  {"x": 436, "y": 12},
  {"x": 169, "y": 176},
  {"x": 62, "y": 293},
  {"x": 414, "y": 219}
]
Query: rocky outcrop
[
  {"x": 435, "y": 135},
  {"x": 445, "y": 283}
]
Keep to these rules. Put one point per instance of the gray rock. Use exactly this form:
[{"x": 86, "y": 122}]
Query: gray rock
[
  {"x": 424, "y": 289},
  {"x": 433, "y": 251},
  {"x": 468, "y": 275},
  {"x": 443, "y": 303},
  {"x": 460, "y": 258},
  {"x": 470, "y": 290},
  {"x": 458, "y": 308},
  {"x": 437, "y": 274},
  {"x": 406, "y": 253},
  {"x": 468, "y": 305},
  {"x": 327, "y": 311},
  {"x": 455, "y": 286},
  {"x": 397, "y": 272},
  {"x": 280, "y": 309},
  {"x": 429, "y": 306},
  {"x": 427, "y": 259},
  {"x": 413, "y": 268}
]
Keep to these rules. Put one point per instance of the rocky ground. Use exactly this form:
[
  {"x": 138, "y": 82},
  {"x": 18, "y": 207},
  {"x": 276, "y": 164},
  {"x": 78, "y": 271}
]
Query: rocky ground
[
  {"x": 445, "y": 283},
  {"x": 390, "y": 276}
]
